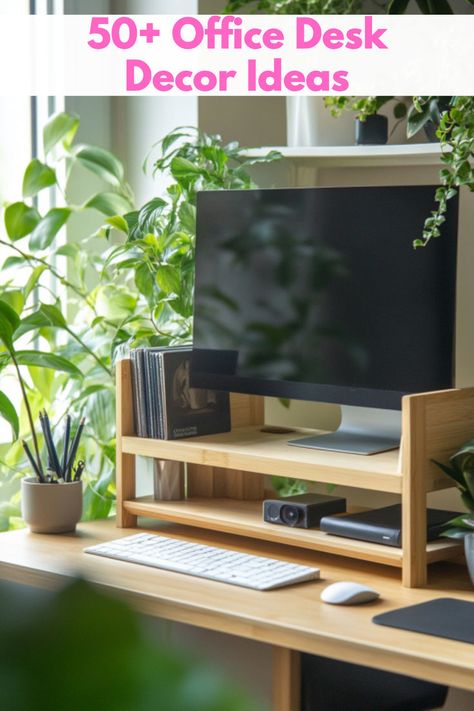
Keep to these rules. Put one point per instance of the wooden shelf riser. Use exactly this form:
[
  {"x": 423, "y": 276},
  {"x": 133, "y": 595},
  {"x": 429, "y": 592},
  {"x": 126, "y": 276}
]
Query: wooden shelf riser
[{"x": 232, "y": 465}]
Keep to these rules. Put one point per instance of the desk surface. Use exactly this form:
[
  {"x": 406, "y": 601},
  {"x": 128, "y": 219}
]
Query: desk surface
[{"x": 293, "y": 617}]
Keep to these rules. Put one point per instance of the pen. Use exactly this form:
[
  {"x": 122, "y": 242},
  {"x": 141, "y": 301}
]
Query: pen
[
  {"x": 67, "y": 435},
  {"x": 44, "y": 420},
  {"x": 79, "y": 470},
  {"x": 73, "y": 450},
  {"x": 32, "y": 461},
  {"x": 56, "y": 464}
]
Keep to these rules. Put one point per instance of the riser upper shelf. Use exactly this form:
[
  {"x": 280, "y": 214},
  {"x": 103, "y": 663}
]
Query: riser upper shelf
[{"x": 248, "y": 449}]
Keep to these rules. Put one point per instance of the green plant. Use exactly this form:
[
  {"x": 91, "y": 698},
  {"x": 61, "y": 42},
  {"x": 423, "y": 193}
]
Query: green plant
[
  {"x": 79, "y": 648},
  {"x": 456, "y": 136},
  {"x": 461, "y": 471},
  {"x": 128, "y": 284},
  {"x": 160, "y": 237},
  {"x": 365, "y": 106},
  {"x": 336, "y": 7},
  {"x": 453, "y": 118},
  {"x": 297, "y": 7}
]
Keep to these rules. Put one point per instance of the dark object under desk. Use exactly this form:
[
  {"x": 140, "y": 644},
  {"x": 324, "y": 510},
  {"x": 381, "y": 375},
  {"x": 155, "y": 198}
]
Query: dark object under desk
[{"x": 332, "y": 685}]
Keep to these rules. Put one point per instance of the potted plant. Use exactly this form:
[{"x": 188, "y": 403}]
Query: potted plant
[
  {"x": 371, "y": 127},
  {"x": 130, "y": 288},
  {"x": 52, "y": 496},
  {"x": 461, "y": 471}
]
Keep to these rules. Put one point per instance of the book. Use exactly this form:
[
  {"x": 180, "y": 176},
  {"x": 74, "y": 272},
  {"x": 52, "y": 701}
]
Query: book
[{"x": 165, "y": 406}]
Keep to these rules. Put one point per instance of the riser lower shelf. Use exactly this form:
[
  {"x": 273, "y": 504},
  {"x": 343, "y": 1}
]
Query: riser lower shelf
[{"x": 244, "y": 518}]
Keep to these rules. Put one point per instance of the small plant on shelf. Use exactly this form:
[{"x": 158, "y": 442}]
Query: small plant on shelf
[{"x": 461, "y": 471}]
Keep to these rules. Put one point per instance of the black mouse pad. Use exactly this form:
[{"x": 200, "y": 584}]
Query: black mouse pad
[{"x": 445, "y": 617}]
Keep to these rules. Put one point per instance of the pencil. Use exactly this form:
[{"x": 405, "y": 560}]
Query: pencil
[
  {"x": 73, "y": 450},
  {"x": 67, "y": 435},
  {"x": 44, "y": 420},
  {"x": 32, "y": 461}
]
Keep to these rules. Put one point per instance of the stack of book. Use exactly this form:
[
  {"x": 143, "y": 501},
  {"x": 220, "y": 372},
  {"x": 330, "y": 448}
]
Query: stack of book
[{"x": 164, "y": 404}]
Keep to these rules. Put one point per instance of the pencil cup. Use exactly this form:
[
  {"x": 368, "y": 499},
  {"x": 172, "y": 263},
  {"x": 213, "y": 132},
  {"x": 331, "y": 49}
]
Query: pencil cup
[
  {"x": 51, "y": 508},
  {"x": 168, "y": 480}
]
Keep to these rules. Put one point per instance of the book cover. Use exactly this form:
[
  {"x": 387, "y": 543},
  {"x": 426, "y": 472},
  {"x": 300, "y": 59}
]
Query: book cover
[{"x": 187, "y": 411}]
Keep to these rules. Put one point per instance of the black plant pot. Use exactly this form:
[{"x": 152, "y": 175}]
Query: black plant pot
[
  {"x": 430, "y": 129},
  {"x": 371, "y": 132}
]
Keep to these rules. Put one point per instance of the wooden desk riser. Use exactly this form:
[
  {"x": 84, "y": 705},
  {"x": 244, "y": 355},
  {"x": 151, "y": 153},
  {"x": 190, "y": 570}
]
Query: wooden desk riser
[
  {"x": 226, "y": 472},
  {"x": 292, "y": 619}
]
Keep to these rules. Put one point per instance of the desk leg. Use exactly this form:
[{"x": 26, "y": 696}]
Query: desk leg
[{"x": 286, "y": 680}]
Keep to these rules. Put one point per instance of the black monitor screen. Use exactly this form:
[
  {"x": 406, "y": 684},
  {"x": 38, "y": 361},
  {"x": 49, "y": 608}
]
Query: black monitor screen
[{"x": 318, "y": 294}]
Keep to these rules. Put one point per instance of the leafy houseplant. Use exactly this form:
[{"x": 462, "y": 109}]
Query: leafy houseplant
[
  {"x": 367, "y": 110},
  {"x": 130, "y": 283},
  {"x": 461, "y": 471},
  {"x": 454, "y": 118},
  {"x": 335, "y": 7}
]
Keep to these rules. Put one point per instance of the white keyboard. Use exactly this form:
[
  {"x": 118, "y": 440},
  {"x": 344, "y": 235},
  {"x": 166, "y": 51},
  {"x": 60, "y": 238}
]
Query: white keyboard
[{"x": 248, "y": 571}]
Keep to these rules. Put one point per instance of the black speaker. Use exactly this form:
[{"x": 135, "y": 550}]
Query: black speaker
[{"x": 301, "y": 511}]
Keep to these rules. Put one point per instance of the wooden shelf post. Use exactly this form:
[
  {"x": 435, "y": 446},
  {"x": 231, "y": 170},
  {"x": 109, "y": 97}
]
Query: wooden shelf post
[
  {"x": 286, "y": 675},
  {"x": 125, "y": 463}
]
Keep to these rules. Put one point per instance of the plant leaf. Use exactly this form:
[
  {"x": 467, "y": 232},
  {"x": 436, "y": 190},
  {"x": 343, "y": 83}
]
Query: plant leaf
[
  {"x": 8, "y": 412},
  {"x": 102, "y": 163},
  {"x": 9, "y": 322},
  {"x": 109, "y": 204},
  {"x": 48, "y": 360},
  {"x": 452, "y": 472},
  {"x": 167, "y": 278},
  {"x": 61, "y": 127},
  {"x": 46, "y": 230},
  {"x": 33, "y": 279},
  {"x": 398, "y": 7},
  {"x": 38, "y": 176},
  {"x": 118, "y": 222},
  {"x": 20, "y": 220}
]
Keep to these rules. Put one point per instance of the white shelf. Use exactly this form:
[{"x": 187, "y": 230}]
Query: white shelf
[{"x": 417, "y": 154}]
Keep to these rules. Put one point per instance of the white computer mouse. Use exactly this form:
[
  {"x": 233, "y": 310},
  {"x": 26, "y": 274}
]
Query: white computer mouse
[{"x": 345, "y": 593}]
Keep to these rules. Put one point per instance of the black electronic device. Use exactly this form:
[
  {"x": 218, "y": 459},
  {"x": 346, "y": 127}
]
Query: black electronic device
[
  {"x": 318, "y": 294},
  {"x": 383, "y": 525},
  {"x": 301, "y": 510}
]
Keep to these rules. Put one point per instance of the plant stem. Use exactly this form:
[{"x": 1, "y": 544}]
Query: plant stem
[
  {"x": 54, "y": 272},
  {"x": 28, "y": 408},
  {"x": 88, "y": 350}
]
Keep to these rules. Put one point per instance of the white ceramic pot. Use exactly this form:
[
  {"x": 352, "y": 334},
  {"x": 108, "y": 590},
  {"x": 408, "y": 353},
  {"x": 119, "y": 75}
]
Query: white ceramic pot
[
  {"x": 469, "y": 550},
  {"x": 310, "y": 123},
  {"x": 51, "y": 508}
]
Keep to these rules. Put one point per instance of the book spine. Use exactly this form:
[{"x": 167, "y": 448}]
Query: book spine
[
  {"x": 162, "y": 397},
  {"x": 142, "y": 402},
  {"x": 149, "y": 393},
  {"x": 136, "y": 395}
]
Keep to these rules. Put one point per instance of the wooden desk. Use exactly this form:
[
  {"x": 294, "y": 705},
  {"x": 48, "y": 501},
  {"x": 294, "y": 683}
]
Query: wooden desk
[{"x": 292, "y": 619}]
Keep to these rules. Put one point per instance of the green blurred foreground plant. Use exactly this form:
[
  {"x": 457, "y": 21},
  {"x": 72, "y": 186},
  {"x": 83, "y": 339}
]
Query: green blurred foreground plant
[
  {"x": 80, "y": 649},
  {"x": 461, "y": 471},
  {"x": 68, "y": 308}
]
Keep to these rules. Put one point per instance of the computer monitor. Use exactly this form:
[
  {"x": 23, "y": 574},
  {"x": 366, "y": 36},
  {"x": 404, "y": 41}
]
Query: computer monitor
[{"x": 318, "y": 294}]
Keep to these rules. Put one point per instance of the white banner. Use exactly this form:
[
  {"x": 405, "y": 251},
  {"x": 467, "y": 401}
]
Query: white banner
[{"x": 244, "y": 55}]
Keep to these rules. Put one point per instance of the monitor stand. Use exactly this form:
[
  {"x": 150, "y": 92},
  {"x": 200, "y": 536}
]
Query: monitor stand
[{"x": 363, "y": 430}]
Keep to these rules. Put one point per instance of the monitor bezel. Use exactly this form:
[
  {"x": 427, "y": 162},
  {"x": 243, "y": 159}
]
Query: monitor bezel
[{"x": 320, "y": 392}]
